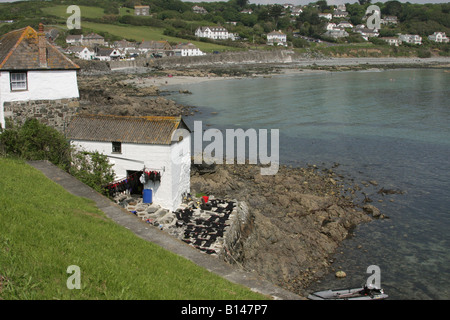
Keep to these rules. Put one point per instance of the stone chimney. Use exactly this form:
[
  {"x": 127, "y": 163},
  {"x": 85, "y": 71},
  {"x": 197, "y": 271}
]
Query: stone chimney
[{"x": 42, "y": 45}]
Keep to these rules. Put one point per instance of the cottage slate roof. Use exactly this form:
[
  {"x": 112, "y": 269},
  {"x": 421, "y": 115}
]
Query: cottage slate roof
[
  {"x": 157, "y": 45},
  {"x": 128, "y": 129},
  {"x": 19, "y": 51}
]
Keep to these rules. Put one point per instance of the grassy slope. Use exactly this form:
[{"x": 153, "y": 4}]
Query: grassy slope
[
  {"x": 137, "y": 33},
  {"x": 44, "y": 229}
]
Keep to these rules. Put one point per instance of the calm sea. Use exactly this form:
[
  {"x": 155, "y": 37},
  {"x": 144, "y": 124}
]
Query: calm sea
[{"x": 389, "y": 126}]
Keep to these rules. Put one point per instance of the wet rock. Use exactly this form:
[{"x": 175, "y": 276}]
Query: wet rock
[
  {"x": 370, "y": 209},
  {"x": 340, "y": 274}
]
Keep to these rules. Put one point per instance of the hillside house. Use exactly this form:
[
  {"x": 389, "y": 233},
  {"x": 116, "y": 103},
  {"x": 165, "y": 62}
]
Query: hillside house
[
  {"x": 344, "y": 24},
  {"x": 36, "y": 79},
  {"x": 277, "y": 38},
  {"x": 200, "y": 10},
  {"x": 81, "y": 52},
  {"x": 124, "y": 45},
  {"x": 438, "y": 37},
  {"x": 340, "y": 14},
  {"x": 389, "y": 20},
  {"x": 336, "y": 33},
  {"x": 367, "y": 33},
  {"x": 327, "y": 16},
  {"x": 216, "y": 33},
  {"x": 187, "y": 50},
  {"x": 135, "y": 145},
  {"x": 74, "y": 39},
  {"x": 108, "y": 54},
  {"x": 392, "y": 41},
  {"x": 141, "y": 10},
  {"x": 410, "y": 38},
  {"x": 92, "y": 40},
  {"x": 159, "y": 48},
  {"x": 296, "y": 11}
]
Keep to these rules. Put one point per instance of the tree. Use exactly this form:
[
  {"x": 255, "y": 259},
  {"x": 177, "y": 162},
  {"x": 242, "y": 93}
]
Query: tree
[
  {"x": 242, "y": 3},
  {"x": 92, "y": 168},
  {"x": 363, "y": 2}
]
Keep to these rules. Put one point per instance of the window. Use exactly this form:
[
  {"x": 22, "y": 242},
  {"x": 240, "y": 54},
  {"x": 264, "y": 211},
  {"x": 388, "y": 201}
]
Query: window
[
  {"x": 117, "y": 147},
  {"x": 18, "y": 81}
]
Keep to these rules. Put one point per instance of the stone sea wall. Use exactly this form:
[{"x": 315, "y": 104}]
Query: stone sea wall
[{"x": 250, "y": 57}]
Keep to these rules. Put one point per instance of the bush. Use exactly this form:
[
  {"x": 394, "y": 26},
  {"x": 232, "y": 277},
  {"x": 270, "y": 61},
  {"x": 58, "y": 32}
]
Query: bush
[
  {"x": 36, "y": 141},
  {"x": 93, "y": 169},
  {"x": 423, "y": 53}
]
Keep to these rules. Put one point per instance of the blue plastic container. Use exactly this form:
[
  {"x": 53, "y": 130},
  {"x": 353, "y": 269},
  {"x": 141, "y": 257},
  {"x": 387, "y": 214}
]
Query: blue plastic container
[{"x": 147, "y": 196}]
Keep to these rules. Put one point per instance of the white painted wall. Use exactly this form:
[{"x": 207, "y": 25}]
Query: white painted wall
[
  {"x": 42, "y": 85},
  {"x": 167, "y": 159}
]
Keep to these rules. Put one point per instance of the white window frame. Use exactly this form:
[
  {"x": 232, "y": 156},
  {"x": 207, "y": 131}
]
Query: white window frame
[{"x": 18, "y": 83}]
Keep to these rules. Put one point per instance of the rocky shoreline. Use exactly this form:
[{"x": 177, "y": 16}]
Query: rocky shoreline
[{"x": 297, "y": 218}]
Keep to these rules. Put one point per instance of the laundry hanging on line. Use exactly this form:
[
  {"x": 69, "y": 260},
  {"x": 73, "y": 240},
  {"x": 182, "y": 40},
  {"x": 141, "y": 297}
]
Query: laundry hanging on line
[
  {"x": 152, "y": 175},
  {"x": 130, "y": 183}
]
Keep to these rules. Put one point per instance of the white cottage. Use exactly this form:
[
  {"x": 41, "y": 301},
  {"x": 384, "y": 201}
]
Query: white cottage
[
  {"x": 438, "y": 37},
  {"x": 217, "y": 33},
  {"x": 140, "y": 145},
  {"x": 36, "y": 79},
  {"x": 187, "y": 50},
  {"x": 276, "y": 38}
]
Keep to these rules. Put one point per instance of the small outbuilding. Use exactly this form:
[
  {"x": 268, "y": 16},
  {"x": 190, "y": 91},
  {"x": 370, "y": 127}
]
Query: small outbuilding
[{"x": 155, "y": 150}]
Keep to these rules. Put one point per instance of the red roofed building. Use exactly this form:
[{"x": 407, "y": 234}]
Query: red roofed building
[{"x": 36, "y": 79}]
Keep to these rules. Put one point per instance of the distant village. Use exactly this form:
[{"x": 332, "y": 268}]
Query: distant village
[{"x": 94, "y": 47}]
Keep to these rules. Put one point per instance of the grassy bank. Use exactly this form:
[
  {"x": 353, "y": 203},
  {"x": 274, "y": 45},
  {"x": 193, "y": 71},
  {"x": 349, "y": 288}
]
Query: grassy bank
[{"x": 44, "y": 229}]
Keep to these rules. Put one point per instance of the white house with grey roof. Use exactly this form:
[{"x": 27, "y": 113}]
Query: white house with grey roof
[
  {"x": 139, "y": 145},
  {"x": 214, "y": 32}
]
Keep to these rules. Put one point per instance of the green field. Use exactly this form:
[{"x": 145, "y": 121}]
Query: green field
[
  {"x": 44, "y": 230},
  {"x": 137, "y": 33},
  {"x": 86, "y": 12}
]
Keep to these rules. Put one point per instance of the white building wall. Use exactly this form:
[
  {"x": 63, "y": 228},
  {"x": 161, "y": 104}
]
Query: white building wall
[
  {"x": 42, "y": 85},
  {"x": 175, "y": 170}
]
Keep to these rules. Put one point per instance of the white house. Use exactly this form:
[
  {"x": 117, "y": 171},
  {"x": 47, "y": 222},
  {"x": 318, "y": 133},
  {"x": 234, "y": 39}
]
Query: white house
[
  {"x": 81, "y": 52},
  {"x": 36, "y": 79},
  {"x": 276, "y": 38},
  {"x": 340, "y": 14},
  {"x": 74, "y": 39},
  {"x": 108, "y": 54},
  {"x": 217, "y": 33},
  {"x": 330, "y": 26},
  {"x": 438, "y": 37},
  {"x": 140, "y": 145},
  {"x": 393, "y": 41},
  {"x": 297, "y": 11},
  {"x": 389, "y": 20},
  {"x": 200, "y": 10},
  {"x": 328, "y": 16},
  {"x": 367, "y": 33},
  {"x": 344, "y": 24},
  {"x": 410, "y": 38},
  {"x": 187, "y": 50},
  {"x": 336, "y": 33},
  {"x": 141, "y": 10}
]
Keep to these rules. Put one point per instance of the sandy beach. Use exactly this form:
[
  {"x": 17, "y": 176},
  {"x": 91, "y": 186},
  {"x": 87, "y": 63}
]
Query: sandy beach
[{"x": 181, "y": 77}]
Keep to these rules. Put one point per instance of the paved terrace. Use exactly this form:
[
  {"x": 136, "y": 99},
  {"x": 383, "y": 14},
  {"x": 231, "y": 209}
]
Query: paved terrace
[{"x": 161, "y": 238}]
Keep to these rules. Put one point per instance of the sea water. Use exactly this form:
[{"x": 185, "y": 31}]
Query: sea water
[{"x": 389, "y": 126}]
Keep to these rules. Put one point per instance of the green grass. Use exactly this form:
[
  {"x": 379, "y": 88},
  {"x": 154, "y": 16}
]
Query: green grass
[
  {"x": 140, "y": 33},
  {"x": 44, "y": 229},
  {"x": 86, "y": 12}
]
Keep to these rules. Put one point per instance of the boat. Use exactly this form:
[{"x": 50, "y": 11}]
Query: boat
[{"x": 364, "y": 293}]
